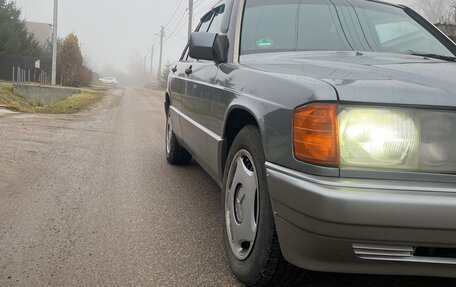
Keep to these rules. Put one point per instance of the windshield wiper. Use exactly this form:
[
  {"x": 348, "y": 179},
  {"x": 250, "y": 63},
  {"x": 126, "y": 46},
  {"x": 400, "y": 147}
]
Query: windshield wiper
[{"x": 433, "y": 56}]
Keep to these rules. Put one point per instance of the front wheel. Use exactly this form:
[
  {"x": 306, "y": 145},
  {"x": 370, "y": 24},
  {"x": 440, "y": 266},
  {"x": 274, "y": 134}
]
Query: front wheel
[{"x": 251, "y": 241}]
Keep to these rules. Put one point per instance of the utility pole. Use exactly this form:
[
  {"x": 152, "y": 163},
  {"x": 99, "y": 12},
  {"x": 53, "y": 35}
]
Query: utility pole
[
  {"x": 162, "y": 33},
  {"x": 152, "y": 63},
  {"x": 54, "y": 43},
  {"x": 190, "y": 18}
]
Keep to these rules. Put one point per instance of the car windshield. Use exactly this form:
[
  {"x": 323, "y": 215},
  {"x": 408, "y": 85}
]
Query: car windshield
[{"x": 319, "y": 25}]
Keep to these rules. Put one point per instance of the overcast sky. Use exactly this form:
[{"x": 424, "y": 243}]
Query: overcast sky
[{"x": 112, "y": 31}]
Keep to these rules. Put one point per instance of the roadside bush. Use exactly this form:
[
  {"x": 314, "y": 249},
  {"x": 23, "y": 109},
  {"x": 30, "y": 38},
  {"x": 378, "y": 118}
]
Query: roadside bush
[
  {"x": 70, "y": 61},
  {"x": 86, "y": 76}
]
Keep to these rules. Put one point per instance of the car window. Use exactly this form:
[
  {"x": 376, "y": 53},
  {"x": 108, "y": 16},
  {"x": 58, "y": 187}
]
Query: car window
[
  {"x": 323, "y": 25},
  {"x": 313, "y": 26},
  {"x": 269, "y": 26},
  {"x": 216, "y": 25},
  {"x": 390, "y": 31},
  {"x": 397, "y": 32},
  {"x": 319, "y": 28}
]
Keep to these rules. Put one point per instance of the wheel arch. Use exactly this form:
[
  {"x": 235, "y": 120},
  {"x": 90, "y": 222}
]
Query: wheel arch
[
  {"x": 236, "y": 119},
  {"x": 167, "y": 101}
]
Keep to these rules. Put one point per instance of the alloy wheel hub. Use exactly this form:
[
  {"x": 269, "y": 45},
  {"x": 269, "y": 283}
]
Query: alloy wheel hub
[{"x": 241, "y": 205}]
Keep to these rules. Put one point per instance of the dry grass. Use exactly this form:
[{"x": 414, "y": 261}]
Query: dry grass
[
  {"x": 73, "y": 104},
  {"x": 12, "y": 101}
]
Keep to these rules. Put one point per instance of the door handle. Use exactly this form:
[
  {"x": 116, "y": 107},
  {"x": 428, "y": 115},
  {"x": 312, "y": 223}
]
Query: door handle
[
  {"x": 189, "y": 71},
  {"x": 174, "y": 69}
]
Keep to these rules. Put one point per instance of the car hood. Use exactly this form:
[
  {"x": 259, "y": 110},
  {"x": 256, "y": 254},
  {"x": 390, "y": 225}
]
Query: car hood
[{"x": 382, "y": 78}]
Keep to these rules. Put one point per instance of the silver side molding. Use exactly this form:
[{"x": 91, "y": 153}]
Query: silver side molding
[{"x": 197, "y": 125}]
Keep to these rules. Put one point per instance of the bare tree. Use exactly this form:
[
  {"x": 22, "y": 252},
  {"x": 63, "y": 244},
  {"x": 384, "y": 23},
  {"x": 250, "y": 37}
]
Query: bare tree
[
  {"x": 450, "y": 18},
  {"x": 453, "y": 11},
  {"x": 436, "y": 11}
]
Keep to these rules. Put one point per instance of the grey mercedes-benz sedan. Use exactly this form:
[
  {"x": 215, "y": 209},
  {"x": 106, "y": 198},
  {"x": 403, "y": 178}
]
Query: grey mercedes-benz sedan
[{"x": 330, "y": 126}]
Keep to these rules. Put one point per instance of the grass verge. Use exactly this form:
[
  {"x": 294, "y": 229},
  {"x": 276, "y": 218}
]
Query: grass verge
[
  {"x": 69, "y": 105},
  {"x": 100, "y": 88}
]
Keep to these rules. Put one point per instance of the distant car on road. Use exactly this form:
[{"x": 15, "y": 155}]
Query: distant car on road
[
  {"x": 109, "y": 81},
  {"x": 330, "y": 126}
]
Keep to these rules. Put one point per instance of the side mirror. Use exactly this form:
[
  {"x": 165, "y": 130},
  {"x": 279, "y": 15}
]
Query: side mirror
[{"x": 209, "y": 46}]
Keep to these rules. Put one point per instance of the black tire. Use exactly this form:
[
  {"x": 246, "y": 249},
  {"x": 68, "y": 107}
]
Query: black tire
[
  {"x": 265, "y": 265},
  {"x": 175, "y": 153}
]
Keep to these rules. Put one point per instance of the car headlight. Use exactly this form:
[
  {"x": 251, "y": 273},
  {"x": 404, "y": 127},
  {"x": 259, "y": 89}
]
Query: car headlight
[
  {"x": 376, "y": 137},
  {"x": 438, "y": 142}
]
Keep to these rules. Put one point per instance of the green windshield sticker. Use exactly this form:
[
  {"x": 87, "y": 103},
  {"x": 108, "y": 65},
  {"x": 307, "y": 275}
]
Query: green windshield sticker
[{"x": 265, "y": 43}]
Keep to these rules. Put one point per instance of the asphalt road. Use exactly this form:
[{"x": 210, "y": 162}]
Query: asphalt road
[{"x": 89, "y": 200}]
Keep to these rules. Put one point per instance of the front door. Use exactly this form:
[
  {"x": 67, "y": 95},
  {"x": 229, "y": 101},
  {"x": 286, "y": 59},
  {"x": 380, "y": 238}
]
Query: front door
[{"x": 196, "y": 103}]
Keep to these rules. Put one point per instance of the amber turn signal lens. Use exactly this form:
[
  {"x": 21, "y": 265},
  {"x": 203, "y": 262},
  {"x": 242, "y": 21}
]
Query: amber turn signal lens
[{"x": 315, "y": 134}]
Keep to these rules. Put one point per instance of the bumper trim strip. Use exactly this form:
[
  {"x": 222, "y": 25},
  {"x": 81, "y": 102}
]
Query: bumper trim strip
[{"x": 396, "y": 254}]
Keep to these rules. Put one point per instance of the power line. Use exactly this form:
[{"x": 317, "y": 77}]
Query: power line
[
  {"x": 174, "y": 13},
  {"x": 206, "y": 7},
  {"x": 177, "y": 27},
  {"x": 198, "y": 5},
  {"x": 177, "y": 39}
]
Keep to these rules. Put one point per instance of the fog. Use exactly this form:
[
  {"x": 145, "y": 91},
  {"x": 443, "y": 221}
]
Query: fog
[
  {"x": 119, "y": 35},
  {"x": 116, "y": 34}
]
